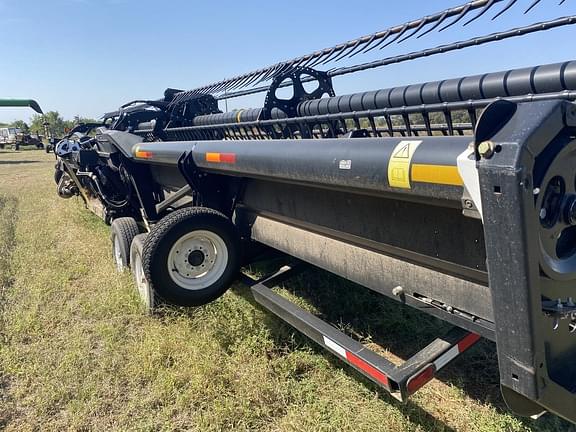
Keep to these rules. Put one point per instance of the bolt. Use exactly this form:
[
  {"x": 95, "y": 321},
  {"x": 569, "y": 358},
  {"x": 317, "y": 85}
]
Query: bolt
[
  {"x": 449, "y": 309},
  {"x": 486, "y": 149},
  {"x": 468, "y": 204},
  {"x": 398, "y": 291},
  {"x": 543, "y": 213}
]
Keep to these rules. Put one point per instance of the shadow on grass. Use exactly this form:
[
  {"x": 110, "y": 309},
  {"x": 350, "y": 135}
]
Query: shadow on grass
[
  {"x": 15, "y": 162},
  {"x": 369, "y": 317}
]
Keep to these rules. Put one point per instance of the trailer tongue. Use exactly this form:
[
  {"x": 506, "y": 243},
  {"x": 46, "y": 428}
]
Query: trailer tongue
[{"x": 388, "y": 189}]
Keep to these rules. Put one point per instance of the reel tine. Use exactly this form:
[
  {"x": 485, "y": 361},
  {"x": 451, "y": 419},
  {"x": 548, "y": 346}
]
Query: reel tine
[
  {"x": 364, "y": 45},
  {"x": 458, "y": 18},
  {"x": 380, "y": 42},
  {"x": 313, "y": 60},
  {"x": 255, "y": 79},
  {"x": 283, "y": 68},
  {"x": 348, "y": 51},
  {"x": 319, "y": 57},
  {"x": 423, "y": 22},
  {"x": 414, "y": 29},
  {"x": 561, "y": 2},
  {"x": 532, "y": 6},
  {"x": 220, "y": 87},
  {"x": 398, "y": 36},
  {"x": 503, "y": 11},
  {"x": 296, "y": 63},
  {"x": 242, "y": 81},
  {"x": 335, "y": 51},
  {"x": 326, "y": 56},
  {"x": 239, "y": 82},
  {"x": 482, "y": 12},
  {"x": 270, "y": 73},
  {"x": 431, "y": 29}
]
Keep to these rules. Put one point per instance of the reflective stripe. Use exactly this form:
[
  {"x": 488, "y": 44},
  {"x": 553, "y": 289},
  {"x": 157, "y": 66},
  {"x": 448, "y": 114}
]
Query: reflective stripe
[
  {"x": 369, "y": 369},
  {"x": 436, "y": 174},
  {"x": 334, "y": 347},
  {"x": 229, "y": 158},
  {"x": 447, "y": 357},
  {"x": 465, "y": 343},
  {"x": 143, "y": 154},
  {"x": 356, "y": 361}
]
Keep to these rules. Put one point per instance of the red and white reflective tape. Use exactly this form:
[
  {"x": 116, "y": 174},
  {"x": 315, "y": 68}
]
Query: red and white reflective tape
[
  {"x": 456, "y": 350},
  {"x": 425, "y": 375},
  {"x": 356, "y": 361}
]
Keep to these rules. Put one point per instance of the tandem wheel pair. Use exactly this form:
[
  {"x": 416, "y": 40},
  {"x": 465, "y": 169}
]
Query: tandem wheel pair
[{"x": 189, "y": 258}]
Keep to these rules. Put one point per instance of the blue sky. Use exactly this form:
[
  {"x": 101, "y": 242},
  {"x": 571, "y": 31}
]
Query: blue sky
[{"x": 89, "y": 56}]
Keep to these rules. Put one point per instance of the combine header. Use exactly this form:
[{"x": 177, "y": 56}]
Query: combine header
[{"x": 454, "y": 197}]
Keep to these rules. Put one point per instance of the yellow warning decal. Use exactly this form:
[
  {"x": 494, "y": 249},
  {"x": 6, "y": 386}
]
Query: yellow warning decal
[{"x": 399, "y": 165}]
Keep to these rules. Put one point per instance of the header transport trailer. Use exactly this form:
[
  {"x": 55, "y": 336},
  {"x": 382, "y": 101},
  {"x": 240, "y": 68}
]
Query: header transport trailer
[{"x": 455, "y": 197}]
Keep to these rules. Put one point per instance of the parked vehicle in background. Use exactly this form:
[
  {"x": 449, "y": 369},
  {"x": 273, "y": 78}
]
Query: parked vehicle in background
[{"x": 14, "y": 137}]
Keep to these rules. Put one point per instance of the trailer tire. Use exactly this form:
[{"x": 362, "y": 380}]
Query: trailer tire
[
  {"x": 197, "y": 240},
  {"x": 123, "y": 231},
  {"x": 145, "y": 291}
]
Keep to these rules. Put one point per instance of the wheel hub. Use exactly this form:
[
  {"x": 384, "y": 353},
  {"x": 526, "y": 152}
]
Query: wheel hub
[
  {"x": 193, "y": 257},
  {"x": 196, "y": 258}
]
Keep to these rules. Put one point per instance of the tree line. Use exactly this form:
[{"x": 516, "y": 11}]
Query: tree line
[{"x": 56, "y": 125}]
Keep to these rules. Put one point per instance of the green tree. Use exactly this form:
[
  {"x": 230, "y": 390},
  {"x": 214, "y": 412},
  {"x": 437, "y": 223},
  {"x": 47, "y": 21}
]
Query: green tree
[
  {"x": 22, "y": 125},
  {"x": 55, "y": 123}
]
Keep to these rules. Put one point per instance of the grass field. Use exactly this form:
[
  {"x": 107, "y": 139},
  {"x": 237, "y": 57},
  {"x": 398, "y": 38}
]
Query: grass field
[{"x": 77, "y": 352}]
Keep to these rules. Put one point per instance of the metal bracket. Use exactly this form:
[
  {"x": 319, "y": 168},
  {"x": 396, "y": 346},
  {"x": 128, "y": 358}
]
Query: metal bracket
[
  {"x": 298, "y": 78},
  {"x": 401, "y": 381}
]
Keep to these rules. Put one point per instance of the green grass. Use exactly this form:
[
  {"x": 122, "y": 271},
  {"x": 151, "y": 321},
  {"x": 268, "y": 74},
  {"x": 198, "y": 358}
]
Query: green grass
[{"x": 77, "y": 352}]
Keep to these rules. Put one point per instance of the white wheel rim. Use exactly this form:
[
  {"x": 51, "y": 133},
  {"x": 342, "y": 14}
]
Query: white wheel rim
[
  {"x": 118, "y": 255},
  {"x": 141, "y": 282},
  {"x": 197, "y": 260}
]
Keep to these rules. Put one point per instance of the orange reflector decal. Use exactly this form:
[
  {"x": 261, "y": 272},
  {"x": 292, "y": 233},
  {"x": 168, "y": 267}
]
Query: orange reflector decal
[
  {"x": 437, "y": 174},
  {"x": 142, "y": 154},
  {"x": 229, "y": 158},
  {"x": 212, "y": 157}
]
